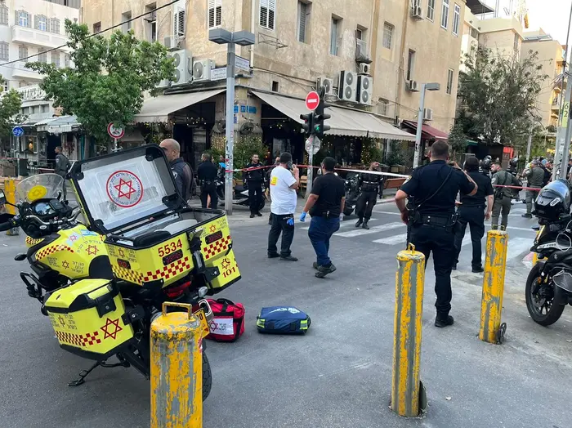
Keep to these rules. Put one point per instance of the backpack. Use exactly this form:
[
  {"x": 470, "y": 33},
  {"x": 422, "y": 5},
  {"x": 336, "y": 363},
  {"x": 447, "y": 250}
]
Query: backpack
[
  {"x": 228, "y": 322},
  {"x": 283, "y": 320}
]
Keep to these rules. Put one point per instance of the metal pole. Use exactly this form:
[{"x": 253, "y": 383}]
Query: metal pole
[
  {"x": 408, "y": 395},
  {"x": 491, "y": 330},
  {"x": 229, "y": 127},
  {"x": 310, "y": 170},
  {"x": 565, "y": 135},
  {"x": 529, "y": 147},
  {"x": 419, "y": 128},
  {"x": 176, "y": 381},
  {"x": 10, "y": 192}
]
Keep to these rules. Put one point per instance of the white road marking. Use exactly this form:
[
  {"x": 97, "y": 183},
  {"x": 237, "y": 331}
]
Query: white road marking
[
  {"x": 393, "y": 240},
  {"x": 375, "y": 229},
  {"x": 345, "y": 223}
]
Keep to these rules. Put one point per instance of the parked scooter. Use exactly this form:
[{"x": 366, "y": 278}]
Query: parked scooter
[
  {"x": 352, "y": 193},
  {"x": 240, "y": 193}
]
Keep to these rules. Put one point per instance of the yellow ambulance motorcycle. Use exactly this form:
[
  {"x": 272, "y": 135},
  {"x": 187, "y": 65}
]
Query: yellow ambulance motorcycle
[{"x": 102, "y": 285}]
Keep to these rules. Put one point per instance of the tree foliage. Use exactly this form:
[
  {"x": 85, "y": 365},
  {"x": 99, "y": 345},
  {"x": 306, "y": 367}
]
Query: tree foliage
[
  {"x": 500, "y": 92},
  {"x": 10, "y": 103},
  {"x": 457, "y": 139},
  {"x": 107, "y": 78}
]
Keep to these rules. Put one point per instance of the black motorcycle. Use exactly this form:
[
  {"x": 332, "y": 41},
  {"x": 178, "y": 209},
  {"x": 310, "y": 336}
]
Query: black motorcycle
[
  {"x": 549, "y": 284},
  {"x": 352, "y": 192},
  {"x": 240, "y": 194}
]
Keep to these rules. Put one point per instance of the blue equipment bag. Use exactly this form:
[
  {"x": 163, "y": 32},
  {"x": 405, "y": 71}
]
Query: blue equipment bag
[{"x": 283, "y": 320}]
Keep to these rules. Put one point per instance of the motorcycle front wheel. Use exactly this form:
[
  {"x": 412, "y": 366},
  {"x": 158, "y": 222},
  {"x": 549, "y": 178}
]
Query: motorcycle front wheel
[
  {"x": 206, "y": 375},
  {"x": 544, "y": 303}
]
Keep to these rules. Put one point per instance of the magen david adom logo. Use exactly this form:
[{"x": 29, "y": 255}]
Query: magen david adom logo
[{"x": 124, "y": 189}]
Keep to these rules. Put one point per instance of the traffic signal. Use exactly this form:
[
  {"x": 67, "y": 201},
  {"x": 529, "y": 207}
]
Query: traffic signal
[
  {"x": 319, "y": 117},
  {"x": 308, "y": 122}
]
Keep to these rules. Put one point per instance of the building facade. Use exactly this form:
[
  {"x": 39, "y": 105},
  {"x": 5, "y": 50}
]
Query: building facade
[{"x": 372, "y": 58}]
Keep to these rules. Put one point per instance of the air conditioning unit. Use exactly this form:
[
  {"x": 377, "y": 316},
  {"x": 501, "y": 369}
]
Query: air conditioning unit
[
  {"x": 361, "y": 51},
  {"x": 347, "y": 86},
  {"x": 427, "y": 114},
  {"x": 364, "y": 69},
  {"x": 182, "y": 63},
  {"x": 327, "y": 84},
  {"x": 164, "y": 83},
  {"x": 412, "y": 86},
  {"x": 172, "y": 42},
  {"x": 364, "y": 89},
  {"x": 417, "y": 12},
  {"x": 202, "y": 70}
]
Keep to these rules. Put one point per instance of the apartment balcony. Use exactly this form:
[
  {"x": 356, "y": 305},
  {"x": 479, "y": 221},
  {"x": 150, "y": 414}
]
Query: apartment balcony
[
  {"x": 31, "y": 36},
  {"x": 20, "y": 71},
  {"x": 556, "y": 104}
]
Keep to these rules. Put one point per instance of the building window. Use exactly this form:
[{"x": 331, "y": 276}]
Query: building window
[
  {"x": 335, "y": 26},
  {"x": 151, "y": 22},
  {"x": 388, "y": 31},
  {"x": 3, "y": 14},
  {"x": 22, "y": 52},
  {"x": 5, "y": 86},
  {"x": 55, "y": 25},
  {"x": 66, "y": 60},
  {"x": 275, "y": 86},
  {"x": 4, "y": 51},
  {"x": 179, "y": 23},
  {"x": 303, "y": 18},
  {"x": 456, "y": 19},
  {"x": 411, "y": 65},
  {"x": 41, "y": 23},
  {"x": 267, "y": 10},
  {"x": 384, "y": 107},
  {"x": 23, "y": 18},
  {"x": 97, "y": 27},
  {"x": 449, "y": 78},
  {"x": 474, "y": 33},
  {"x": 430, "y": 10},
  {"x": 42, "y": 56},
  {"x": 126, "y": 21},
  {"x": 44, "y": 108},
  {"x": 444, "y": 18},
  {"x": 55, "y": 58},
  {"x": 214, "y": 13}
]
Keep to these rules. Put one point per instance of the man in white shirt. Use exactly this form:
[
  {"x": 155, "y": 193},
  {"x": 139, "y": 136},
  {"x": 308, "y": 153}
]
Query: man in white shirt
[{"x": 283, "y": 187}]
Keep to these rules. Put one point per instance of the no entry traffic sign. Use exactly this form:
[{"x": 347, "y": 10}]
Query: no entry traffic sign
[
  {"x": 115, "y": 132},
  {"x": 312, "y": 100}
]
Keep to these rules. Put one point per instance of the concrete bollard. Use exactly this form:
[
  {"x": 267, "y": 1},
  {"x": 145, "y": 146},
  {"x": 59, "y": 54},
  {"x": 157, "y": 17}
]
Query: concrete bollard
[
  {"x": 10, "y": 192},
  {"x": 491, "y": 330},
  {"x": 407, "y": 397},
  {"x": 176, "y": 369}
]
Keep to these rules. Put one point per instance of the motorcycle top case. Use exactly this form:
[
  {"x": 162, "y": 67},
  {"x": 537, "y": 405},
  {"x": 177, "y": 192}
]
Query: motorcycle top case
[
  {"x": 283, "y": 320},
  {"x": 130, "y": 197},
  {"x": 89, "y": 318}
]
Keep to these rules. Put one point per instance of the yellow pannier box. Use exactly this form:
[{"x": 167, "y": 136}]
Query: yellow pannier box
[
  {"x": 152, "y": 237},
  {"x": 89, "y": 316}
]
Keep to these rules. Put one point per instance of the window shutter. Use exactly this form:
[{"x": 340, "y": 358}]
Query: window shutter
[
  {"x": 36, "y": 22},
  {"x": 16, "y": 16},
  {"x": 179, "y": 23},
  {"x": 218, "y": 13},
  {"x": 211, "y": 13},
  {"x": 272, "y": 7},
  {"x": 302, "y": 21},
  {"x": 263, "y": 12}
]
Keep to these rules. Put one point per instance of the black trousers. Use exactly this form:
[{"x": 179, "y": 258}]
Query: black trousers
[
  {"x": 439, "y": 241},
  {"x": 367, "y": 200},
  {"x": 474, "y": 217},
  {"x": 211, "y": 191},
  {"x": 281, "y": 224},
  {"x": 255, "y": 196}
]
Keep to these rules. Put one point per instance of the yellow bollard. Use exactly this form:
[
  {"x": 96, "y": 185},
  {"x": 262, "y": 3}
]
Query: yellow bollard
[
  {"x": 176, "y": 369},
  {"x": 491, "y": 330},
  {"x": 407, "y": 397},
  {"x": 10, "y": 192}
]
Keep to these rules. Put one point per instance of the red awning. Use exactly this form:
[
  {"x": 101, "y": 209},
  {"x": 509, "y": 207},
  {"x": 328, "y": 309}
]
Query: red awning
[{"x": 428, "y": 132}]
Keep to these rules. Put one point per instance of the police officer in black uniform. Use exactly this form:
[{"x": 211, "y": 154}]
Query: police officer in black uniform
[
  {"x": 254, "y": 180},
  {"x": 369, "y": 184},
  {"x": 206, "y": 174},
  {"x": 486, "y": 166},
  {"x": 181, "y": 170},
  {"x": 432, "y": 191}
]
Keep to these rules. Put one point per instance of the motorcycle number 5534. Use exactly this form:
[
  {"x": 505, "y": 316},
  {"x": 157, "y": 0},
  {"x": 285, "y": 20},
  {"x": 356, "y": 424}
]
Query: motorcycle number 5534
[{"x": 169, "y": 247}]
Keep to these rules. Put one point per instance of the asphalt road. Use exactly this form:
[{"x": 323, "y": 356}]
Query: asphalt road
[{"x": 339, "y": 374}]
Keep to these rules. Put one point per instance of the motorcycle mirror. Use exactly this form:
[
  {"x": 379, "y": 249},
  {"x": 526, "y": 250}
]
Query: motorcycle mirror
[{"x": 2, "y": 198}]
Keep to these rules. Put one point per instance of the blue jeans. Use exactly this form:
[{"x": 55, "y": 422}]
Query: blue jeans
[{"x": 320, "y": 232}]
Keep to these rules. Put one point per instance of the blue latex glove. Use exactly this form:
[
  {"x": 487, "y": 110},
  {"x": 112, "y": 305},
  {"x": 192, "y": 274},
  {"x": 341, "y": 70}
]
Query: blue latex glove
[
  {"x": 291, "y": 221},
  {"x": 341, "y": 216},
  {"x": 303, "y": 216}
]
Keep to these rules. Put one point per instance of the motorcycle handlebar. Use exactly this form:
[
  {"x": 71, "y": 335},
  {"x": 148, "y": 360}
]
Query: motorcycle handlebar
[{"x": 5, "y": 226}]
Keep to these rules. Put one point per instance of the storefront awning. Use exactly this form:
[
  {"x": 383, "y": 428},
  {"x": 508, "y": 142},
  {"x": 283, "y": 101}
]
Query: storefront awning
[
  {"x": 428, "y": 132},
  {"x": 157, "y": 109},
  {"x": 343, "y": 122},
  {"x": 61, "y": 124}
]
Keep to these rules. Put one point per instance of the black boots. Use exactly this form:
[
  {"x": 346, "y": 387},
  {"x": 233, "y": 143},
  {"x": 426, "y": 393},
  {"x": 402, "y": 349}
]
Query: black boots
[
  {"x": 359, "y": 223},
  {"x": 366, "y": 224},
  {"x": 442, "y": 321}
]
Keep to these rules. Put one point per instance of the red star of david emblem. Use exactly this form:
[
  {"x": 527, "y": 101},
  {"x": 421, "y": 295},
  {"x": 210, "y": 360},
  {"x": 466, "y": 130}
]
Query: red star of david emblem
[
  {"x": 65, "y": 265},
  {"x": 73, "y": 238},
  {"x": 92, "y": 250},
  {"x": 212, "y": 229},
  {"x": 122, "y": 186},
  {"x": 111, "y": 328},
  {"x": 213, "y": 325},
  {"x": 121, "y": 252},
  {"x": 62, "y": 320},
  {"x": 225, "y": 263}
]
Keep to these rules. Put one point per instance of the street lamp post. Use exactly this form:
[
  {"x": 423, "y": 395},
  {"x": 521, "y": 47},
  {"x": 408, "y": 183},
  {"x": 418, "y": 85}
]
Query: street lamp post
[
  {"x": 243, "y": 38},
  {"x": 431, "y": 87}
]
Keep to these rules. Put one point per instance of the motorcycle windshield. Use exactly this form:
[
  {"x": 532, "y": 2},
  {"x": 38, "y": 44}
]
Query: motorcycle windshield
[{"x": 44, "y": 186}]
